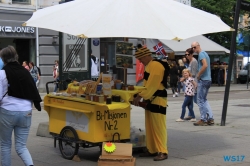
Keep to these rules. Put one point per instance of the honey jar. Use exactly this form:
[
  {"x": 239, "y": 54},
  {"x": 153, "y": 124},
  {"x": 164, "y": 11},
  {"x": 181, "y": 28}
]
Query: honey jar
[
  {"x": 96, "y": 98},
  {"x": 101, "y": 98}
]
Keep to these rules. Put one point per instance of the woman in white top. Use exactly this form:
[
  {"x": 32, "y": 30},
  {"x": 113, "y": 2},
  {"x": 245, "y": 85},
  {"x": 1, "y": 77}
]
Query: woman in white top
[{"x": 15, "y": 112}]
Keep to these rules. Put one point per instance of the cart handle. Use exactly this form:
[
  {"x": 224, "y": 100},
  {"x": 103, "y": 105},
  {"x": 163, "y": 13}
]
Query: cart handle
[
  {"x": 68, "y": 108},
  {"x": 118, "y": 134},
  {"x": 50, "y": 82},
  {"x": 47, "y": 88}
]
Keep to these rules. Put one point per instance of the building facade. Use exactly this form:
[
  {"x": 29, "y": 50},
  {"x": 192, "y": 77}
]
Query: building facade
[{"x": 36, "y": 45}]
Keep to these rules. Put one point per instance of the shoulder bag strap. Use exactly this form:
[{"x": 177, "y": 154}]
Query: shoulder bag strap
[{"x": 4, "y": 95}]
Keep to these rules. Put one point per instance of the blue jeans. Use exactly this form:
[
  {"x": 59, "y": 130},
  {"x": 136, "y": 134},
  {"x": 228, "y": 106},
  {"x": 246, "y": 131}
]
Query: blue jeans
[
  {"x": 204, "y": 107},
  {"x": 195, "y": 98},
  {"x": 195, "y": 101},
  {"x": 20, "y": 122},
  {"x": 56, "y": 85},
  {"x": 35, "y": 79},
  {"x": 183, "y": 87},
  {"x": 188, "y": 102}
]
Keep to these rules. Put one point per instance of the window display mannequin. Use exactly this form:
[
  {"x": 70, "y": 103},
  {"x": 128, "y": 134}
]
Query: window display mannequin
[{"x": 94, "y": 67}]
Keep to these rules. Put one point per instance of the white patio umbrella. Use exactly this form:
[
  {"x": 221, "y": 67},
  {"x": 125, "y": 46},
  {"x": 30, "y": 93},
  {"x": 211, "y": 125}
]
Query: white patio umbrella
[{"x": 156, "y": 19}]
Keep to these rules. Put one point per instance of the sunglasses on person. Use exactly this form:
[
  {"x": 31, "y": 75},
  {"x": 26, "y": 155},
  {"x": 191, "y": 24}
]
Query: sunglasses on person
[{"x": 187, "y": 54}]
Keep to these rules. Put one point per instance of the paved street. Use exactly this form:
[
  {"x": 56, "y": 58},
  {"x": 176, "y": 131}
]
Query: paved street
[{"x": 187, "y": 144}]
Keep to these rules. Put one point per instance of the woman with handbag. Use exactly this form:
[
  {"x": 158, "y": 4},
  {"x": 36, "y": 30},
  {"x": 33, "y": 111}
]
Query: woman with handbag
[
  {"x": 34, "y": 72},
  {"x": 18, "y": 92}
]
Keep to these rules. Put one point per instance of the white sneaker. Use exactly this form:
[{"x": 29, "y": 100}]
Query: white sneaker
[
  {"x": 179, "y": 120},
  {"x": 173, "y": 95},
  {"x": 192, "y": 120},
  {"x": 176, "y": 94}
]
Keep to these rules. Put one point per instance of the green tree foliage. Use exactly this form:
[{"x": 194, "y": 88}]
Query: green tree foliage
[
  {"x": 245, "y": 31},
  {"x": 223, "y": 9}
]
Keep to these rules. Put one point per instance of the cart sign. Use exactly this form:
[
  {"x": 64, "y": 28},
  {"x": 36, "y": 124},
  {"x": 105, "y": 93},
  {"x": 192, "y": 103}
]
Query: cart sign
[
  {"x": 77, "y": 120},
  {"x": 110, "y": 119}
]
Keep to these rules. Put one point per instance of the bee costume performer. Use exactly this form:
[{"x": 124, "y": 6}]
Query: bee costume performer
[{"x": 155, "y": 115}]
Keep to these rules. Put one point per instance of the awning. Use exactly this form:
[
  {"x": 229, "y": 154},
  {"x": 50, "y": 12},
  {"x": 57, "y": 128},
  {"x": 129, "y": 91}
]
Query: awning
[{"x": 179, "y": 47}]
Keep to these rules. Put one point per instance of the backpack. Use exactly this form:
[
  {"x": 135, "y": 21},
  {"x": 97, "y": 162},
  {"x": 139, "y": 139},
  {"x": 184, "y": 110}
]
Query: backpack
[
  {"x": 166, "y": 72},
  {"x": 39, "y": 71}
]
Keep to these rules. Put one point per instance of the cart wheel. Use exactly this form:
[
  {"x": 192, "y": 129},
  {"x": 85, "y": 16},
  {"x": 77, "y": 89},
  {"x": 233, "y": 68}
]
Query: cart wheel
[{"x": 68, "y": 142}]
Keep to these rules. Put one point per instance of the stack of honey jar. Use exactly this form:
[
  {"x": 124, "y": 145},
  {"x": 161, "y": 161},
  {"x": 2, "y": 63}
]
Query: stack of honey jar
[
  {"x": 92, "y": 90},
  {"x": 120, "y": 86}
]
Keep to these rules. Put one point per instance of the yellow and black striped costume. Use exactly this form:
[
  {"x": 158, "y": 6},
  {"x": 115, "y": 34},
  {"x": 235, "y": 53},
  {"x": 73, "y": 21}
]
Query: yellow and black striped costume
[{"x": 155, "y": 118}]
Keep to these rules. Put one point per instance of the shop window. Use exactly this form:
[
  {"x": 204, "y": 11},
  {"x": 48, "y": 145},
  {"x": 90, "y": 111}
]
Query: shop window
[{"x": 21, "y": 1}]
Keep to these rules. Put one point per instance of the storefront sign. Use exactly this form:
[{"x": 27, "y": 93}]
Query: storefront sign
[
  {"x": 14, "y": 29},
  {"x": 10, "y": 29}
]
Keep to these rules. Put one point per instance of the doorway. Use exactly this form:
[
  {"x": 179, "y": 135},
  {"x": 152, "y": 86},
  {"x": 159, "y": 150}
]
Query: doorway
[
  {"x": 107, "y": 57},
  {"x": 107, "y": 60},
  {"x": 23, "y": 49}
]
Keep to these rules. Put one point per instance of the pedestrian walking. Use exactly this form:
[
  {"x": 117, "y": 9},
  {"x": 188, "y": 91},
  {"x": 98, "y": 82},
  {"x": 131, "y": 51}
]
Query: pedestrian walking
[
  {"x": 39, "y": 73},
  {"x": 34, "y": 72},
  {"x": 220, "y": 74},
  {"x": 185, "y": 61},
  {"x": 181, "y": 67},
  {"x": 25, "y": 65},
  {"x": 18, "y": 92},
  {"x": 56, "y": 75},
  {"x": 190, "y": 86},
  {"x": 174, "y": 76},
  {"x": 204, "y": 83},
  {"x": 155, "y": 115},
  {"x": 193, "y": 68}
]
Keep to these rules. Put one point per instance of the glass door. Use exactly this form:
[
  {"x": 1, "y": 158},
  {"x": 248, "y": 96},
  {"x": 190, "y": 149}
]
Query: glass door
[{"x": 107, "y": 57}]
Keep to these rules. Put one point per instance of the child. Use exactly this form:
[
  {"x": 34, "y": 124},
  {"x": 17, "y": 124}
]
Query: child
[{"x": 190, "y": 86}]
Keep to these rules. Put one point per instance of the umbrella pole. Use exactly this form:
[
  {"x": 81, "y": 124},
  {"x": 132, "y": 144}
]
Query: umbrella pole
[{"x": 230, "y": 65}]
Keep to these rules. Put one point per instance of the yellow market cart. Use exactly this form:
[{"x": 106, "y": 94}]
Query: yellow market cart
[{"x": 76, "y": 122}]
